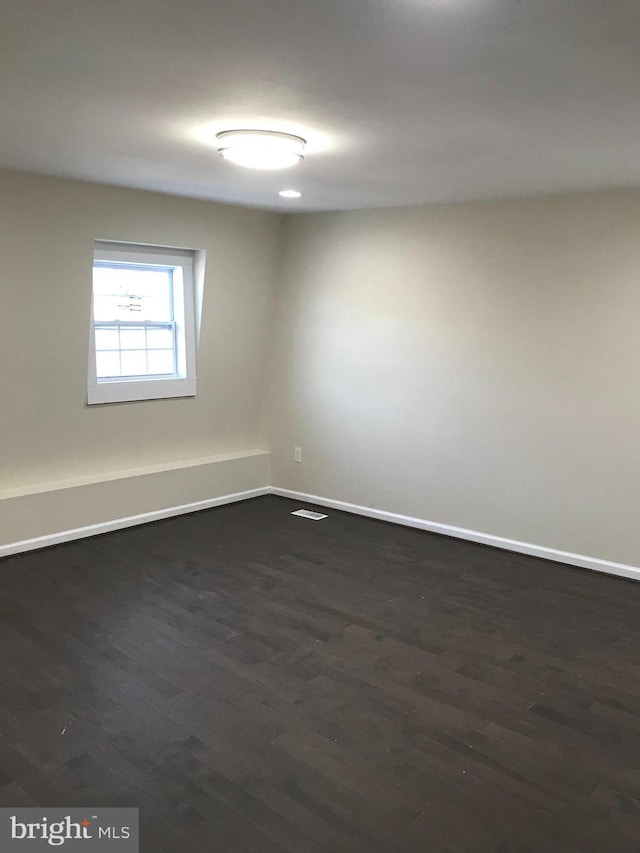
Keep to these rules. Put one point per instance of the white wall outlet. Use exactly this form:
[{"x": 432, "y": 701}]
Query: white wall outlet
[{"x": 297, "y": 454}]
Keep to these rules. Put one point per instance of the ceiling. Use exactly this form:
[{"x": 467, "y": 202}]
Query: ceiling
[{"x": 402, "y": 101}]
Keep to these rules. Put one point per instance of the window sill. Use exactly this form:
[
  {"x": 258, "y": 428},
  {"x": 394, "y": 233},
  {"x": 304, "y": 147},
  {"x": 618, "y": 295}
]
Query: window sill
[{"x": 140, "y": 389}]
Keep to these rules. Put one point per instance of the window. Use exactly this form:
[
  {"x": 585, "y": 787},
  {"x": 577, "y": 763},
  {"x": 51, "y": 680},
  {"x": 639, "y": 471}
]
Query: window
[{"x": 142, "y": 325}]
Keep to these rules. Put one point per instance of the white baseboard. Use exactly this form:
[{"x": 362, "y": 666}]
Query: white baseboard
[
  {"x": 130, "y": 521},
  {"x": 580, "y": 560}
]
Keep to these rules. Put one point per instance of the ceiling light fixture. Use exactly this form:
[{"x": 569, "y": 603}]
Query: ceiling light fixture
[
  {"x": 290, "y": 194},
  {"x": 261, "y": 149}
]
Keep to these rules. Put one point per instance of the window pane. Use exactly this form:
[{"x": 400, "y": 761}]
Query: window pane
[
  {"x": 107, "y": 364},
  {"x": 104, "y": 308},
  {"x": 134, "y": 362},
  {"x": 127, "y": 292},
  {"x": 161, "y": 361},
  {"x": 158, "y": 308},
  {"x": 107, "y": 339},
  {"x": 160, "y": 338},
  {"x": 132, "y": 339}
]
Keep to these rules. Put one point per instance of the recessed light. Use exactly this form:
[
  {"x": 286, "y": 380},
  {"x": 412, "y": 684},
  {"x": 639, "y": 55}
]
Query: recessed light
[
  {"x": 290, "y": 194},
  {"x": 261, "y": 149}
]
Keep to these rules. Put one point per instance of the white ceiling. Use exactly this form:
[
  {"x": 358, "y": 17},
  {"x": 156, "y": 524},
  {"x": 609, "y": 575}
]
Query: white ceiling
[{"x": 402, "y": 101}]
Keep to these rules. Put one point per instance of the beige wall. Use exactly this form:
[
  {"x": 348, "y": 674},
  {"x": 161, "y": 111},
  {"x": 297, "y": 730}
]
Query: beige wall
[
  {"x": 47, "y": 230},
  {"x": 475, "y": 365},
  {"x": 48, "y": 433}
]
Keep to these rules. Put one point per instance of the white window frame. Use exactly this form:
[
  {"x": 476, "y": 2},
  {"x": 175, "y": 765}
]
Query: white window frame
[{"x": 132, "y": 389}]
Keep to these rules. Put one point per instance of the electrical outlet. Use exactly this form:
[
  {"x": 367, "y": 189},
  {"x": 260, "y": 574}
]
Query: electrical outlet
[{"x": 297, "y": 454}]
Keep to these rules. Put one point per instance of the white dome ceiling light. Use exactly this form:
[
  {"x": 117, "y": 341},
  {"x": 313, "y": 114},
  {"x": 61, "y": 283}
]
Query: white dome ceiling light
[
  {"x": 290, "y": 194},
  {"x": 261, "y": 149}
]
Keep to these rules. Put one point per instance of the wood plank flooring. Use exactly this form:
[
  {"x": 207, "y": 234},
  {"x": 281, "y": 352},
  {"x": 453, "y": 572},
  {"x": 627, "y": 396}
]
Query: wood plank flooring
[{"x": 259, "y": 682}]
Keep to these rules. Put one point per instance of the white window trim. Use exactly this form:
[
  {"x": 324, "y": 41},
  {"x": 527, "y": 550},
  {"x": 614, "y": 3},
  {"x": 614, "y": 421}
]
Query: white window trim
[{"x": 149, "y": 387}]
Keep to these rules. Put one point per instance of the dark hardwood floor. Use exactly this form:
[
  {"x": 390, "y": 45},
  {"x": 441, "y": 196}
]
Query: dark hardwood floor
[{"x": 259, "y": 682}]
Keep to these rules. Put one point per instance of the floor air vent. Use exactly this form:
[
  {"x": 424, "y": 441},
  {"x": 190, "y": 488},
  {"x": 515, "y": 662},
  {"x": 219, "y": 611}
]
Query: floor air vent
[{"x": 306, "y": 513}]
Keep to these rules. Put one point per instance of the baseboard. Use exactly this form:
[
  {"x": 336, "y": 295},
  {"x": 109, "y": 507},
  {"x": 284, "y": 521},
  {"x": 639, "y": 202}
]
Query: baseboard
[
  {"x": 580, "y": 560},
  {"x": 130, "y": 521}
]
